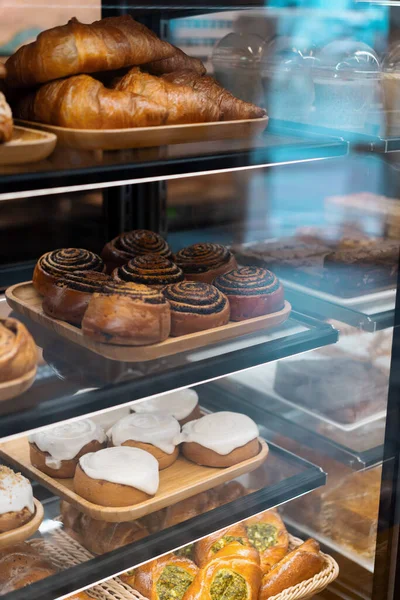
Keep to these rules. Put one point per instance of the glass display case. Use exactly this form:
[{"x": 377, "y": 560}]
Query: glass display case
[{"x": 199, "y": 312}]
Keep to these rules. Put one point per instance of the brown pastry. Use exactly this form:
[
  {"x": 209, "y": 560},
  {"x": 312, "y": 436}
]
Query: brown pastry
[
  {"x": 68, "y": 299},
  {"x": 3, "y": 70},
  {"x": 234, "y": 573},
  {"x": 133, "y": 243},
  {"x": 81, "y": 102},
  {"x": 18, "y": 352},
  {"x": 299, "y": 565},
  {"x": 156, "y": 579},
  {"x": 153, "y": 270},
  {"x": 16, "y": 500},
  {"x": 184, "y": 105},
  {"x": 211, "y": 546},
  {"x": 21, "y": 565},
  {"x": 267, "y": 533},
  {"x": 231, "y": 107},
  {"x": 251, "y": 291},
  {"x": 177, "y": 62},
  {"x": 189, "y": 508},
  {"x": 6, "y": 120},
  {"x": 204, "y": 262},
  {"x": 195, "y": 306},
  {"x": 57, "y": 263},
  {"x": 74, "y": 48},
  {"x": 127, "y": 313}
]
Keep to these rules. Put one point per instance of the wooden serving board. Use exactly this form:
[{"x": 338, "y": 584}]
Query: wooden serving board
[
  {"x": 24, "y": 299},
  {"x": 26, "y": 146},
  {"x": 23, "y": 533},
  {"x": 15, "y": 387},
  {"x": 179, "y": 481},
  {"x": 145, "y": 137}
]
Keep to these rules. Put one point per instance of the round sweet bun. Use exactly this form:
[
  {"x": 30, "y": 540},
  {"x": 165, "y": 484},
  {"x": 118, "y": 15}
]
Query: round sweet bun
[
  {"x": 251, "y": 291},
  {"x": 117, "y": 476},
  {"x": 181, "y": 404},
  {"x": 153, "y": 270},
  {"x": 16, "y": 500},
  {"x": 56, "y": 451},
  {"x": 220, "y": 439},
  {"x": 127, "y": 245},
  {"x": 155, "y": 433},
  {"x": 205, "y": 261}
]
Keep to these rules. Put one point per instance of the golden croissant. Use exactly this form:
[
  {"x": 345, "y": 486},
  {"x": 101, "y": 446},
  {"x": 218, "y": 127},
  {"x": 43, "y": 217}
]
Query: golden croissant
[
  {"x": 81, "y": 102},
  {"x": 184, "y": 104},
  {"x": 177, "y": 62},
  {"x": 231, "y": 107},
  {"x": 112, "y": 43}
]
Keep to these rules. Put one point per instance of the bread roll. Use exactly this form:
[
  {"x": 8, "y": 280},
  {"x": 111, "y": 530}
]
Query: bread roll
[
  {"x": 134, "y": 243},
  {"x": 267, "y": 533},
  {"x": 153, "y": 270},
  {"x": 210, "y": 546},
  {"x": 157, "y": 579},
  {"x": 18, "y": 352},
  {"x": 205, "y": 261},
  {"x": 16, "y": 500}
]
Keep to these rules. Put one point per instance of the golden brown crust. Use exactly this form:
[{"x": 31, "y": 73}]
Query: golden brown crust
[
  {"x": 270, "y": 556},
  {"x": 148, "y": 575},
  {"x": 18, "y": 352},
  {"x": 67, "y": 469},
  {"x": 299, "y": 565},
  {"x": 106, "y": 493},
  {"x": 6, "y": 120},
  {"x": 14, "y": 519},
  {"x": 204, "y": 456},
  {"x": 105, "y": 45},
  {"x": 177, "y": 62},
  {"x": 189, "y": 508},
  {"x": 18, "y": 564},
  {"x": 211, "y": 546},
  {"x": 164, "y": 460}
]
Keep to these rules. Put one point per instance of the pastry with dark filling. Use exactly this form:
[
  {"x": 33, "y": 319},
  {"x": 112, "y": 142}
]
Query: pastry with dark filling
[
  {"x": 153, "y": 270},
  {"x": 133, "y": 243},
  {"x": 205, "y": 261}
]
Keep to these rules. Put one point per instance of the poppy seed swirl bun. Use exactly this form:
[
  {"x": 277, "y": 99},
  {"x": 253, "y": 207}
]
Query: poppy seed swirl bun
[
  {"x": 153, "y": 270},
  {"x": 195, "y": 306},
  {"x": 251, "y": 291},
  {"x": 133, "y": 243},
  {"x": 205, "y": 261},
  {"x": 57, "y": 263}
]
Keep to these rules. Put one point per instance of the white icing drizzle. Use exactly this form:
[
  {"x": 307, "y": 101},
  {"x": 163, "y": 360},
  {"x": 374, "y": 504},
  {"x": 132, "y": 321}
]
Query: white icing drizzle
[
  {"x": 158, "y": 429},
  {"x": 125, "y": 465},
  {"x": 221, "y": 432},
  {"x": 64, "y": 442},
  {"x": 15, "y": 492},
  {"x": 179, "y": 404}
]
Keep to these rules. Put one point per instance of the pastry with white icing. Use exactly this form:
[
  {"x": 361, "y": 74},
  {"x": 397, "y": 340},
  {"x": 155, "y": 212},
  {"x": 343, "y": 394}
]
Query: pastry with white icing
[
  {"x": 56, "y": 451},
  {"x": 157, "y": 433},
  {"x": 16, "y": 500},
  {"x": 220, "y": 439},
  {"x": 117, "y": 476},
  {"x": 181, "y": 404}
]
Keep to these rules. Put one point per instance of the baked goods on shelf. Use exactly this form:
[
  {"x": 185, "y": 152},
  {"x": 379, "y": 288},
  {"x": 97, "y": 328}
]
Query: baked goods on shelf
[
  {"x": 18, "y": 352},
  {"x": 181, "y": 404},
  {"x": 119, "y": 476},
  {"x": 155, "y": 433},
  {"x": 251, "y": 291},
  {"x": 157, "y": 579},
  {"x": 56, "y": 451},
  {"x": 127, "y": 313},
  {"x": 205, "y": 261},
  {"x": 130, "y": 244},
  {"x": 267, "y": 533},
  {"x": 153, "y": 270},
  {"x": 105, "y": 45},
  {"x": 178, "y": 61},
  {"x": 195, "y": 306},
  {"x": 21, "y": 565},
  {"x": 68, "y": 299},
  {"x": 57, "y": 263},
  {"x": 6, "y": 119},
  {"x": 220, "y": 439},
  {"x": 211, "y": 546},
  {"x": 16, "y": 500}
]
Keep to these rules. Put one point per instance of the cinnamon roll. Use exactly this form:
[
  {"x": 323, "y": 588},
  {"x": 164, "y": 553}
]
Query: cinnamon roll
[
  {"x": 127, "y": 313},
  {"x": 196, "y": 306},
  {"x": 16, "y": 500},
  {"x": 153, "y": 270},
  {"x": 68, "y": 299},
  {"x": 18, "y": 352},
  {"x": 133, "y": 243},
  {"x": 57, "y": 263},
  {"x": 251, "y": 291},
  {"x": 204, "y": 262}
]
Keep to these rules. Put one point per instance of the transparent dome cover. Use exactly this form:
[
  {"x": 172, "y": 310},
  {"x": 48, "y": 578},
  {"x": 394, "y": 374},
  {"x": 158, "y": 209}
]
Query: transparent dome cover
[
  {"x": 344, "y": 59},
  {"x": 239, "y": 50},
  {"x": 285, "y": 54}
]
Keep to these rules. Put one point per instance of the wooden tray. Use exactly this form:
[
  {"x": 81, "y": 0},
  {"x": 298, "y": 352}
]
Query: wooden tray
[
  {"x": 144, "y": 137},
  {"x": 15, "y": 387},
  {"x": 23, "y": 533},
  {"x": 26, "y": 146},
  {"x": 24, "y": 299},
  {"x": 179, "y": 481}
]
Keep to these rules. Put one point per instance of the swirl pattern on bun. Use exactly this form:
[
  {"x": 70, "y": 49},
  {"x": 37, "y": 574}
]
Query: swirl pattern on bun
[
  {"x": 150, "y": 269},
  {"x": 135, "y": 291},
  {"x": 18, "y": 352},
  {"x": 205, "y": 261},
  {"x": 127, "y": 245}
]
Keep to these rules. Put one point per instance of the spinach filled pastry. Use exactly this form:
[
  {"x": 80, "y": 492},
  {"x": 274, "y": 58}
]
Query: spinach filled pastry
[
  {"x": 167, "y": 578},
  {"x": 210, "y": 546},
  {"x": 267, "y": 534}
]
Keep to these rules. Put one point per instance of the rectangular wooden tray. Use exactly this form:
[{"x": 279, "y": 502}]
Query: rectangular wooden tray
[
  {"x": 179, "y": 481},
  {"x": 27, "y": 146},
  {"x": 146, "y": 137},
  {"x": 24, "y": 299}
]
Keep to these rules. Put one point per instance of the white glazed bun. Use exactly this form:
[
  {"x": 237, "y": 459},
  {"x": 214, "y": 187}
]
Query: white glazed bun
[
  {"x": 181, "y": 404},
  {"x": 16, "y": 500}
]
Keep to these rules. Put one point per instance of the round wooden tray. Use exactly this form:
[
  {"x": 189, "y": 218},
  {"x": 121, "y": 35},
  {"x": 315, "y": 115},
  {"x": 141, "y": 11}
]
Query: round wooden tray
[
  {"x": 15, "y": 387},
  {"x": 23, "y": 533}
]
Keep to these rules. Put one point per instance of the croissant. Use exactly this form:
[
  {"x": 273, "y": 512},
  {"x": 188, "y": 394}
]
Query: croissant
[
  {"x": 267, "y": 533},
  {"x": 184, "y": 105},
  {"x": 156, "y": 579},
  {"x": 231, "y": 107},
  {"x": 112, "y": 43},
  {"x": 177, "y": 62},
  {"x": 211, "y": 546},
  {"x": 18, "y": 353},
  {"x": 234, "y": 573},
  {"x": 81, "y": 102}
]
